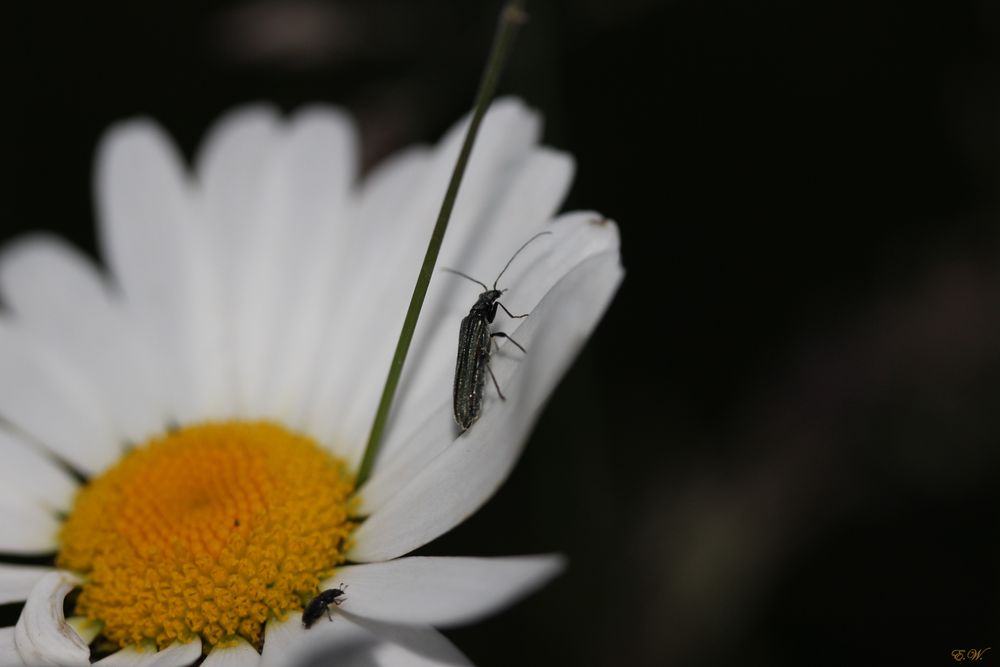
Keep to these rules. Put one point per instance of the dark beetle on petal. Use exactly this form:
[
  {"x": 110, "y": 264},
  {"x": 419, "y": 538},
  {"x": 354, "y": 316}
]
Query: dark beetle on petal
[
  {"x": 474, "y": 337},
  {"x": 321, "y": 603}
]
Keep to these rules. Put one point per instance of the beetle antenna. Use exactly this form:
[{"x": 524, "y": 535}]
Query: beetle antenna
[
  {"x": 467, "y": 277},
  {"x": 516, "y": 254}
]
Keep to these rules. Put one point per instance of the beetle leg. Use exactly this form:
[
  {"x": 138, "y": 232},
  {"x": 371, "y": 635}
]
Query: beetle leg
[
  {"x": 503, "y": 335},
  {"x": 510, "y": 314},
  {"x": 495, "y": 384}
]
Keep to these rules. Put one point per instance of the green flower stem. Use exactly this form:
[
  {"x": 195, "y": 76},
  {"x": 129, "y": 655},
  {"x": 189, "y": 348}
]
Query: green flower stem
[{"x": 511, "y": 18}]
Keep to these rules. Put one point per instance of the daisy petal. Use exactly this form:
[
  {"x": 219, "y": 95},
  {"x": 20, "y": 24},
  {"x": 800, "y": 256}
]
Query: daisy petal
[
  {"x": 527, "y": 200},
  {"x": 280, "y": 638},
  {"x": 58, "y": 295},
  {"x": 9, "y": 657},
  {"x": 33, "y": 474},
  {"x": 302, "y": 252},
  {"x": 233, "y": 169},
  {"x": 390, "y": 194},
  {"x": 288, "y": 643},
  {"x": 152, "y": 239},
  {"x": 241, "y": 655},
  {"x": 574, "y": 238},
  {"x": 351, "y": 641},
  {"x": 507, "y": 135},
  {"x": 471, "y": 469},
  {"x": 441, "y": 591},
  {"x": 416, "y": 438},
  {"x": 16, "y": 581},
  {"x": 28, "y": 528},
  {"x": 530, "y": 199},
  {"x": 35, "y": 384},
  {"x": 175, "y": 655},
  {"x": 42, "y": 635},
  {"x": 408, "y": 645}
]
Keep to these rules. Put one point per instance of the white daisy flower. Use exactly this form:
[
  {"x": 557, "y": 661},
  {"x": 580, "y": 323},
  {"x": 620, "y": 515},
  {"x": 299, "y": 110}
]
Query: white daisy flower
[{"x": 215, "y": 388}]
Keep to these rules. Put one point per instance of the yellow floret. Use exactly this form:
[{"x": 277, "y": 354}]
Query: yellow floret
[{"x": 207, "y": 532}]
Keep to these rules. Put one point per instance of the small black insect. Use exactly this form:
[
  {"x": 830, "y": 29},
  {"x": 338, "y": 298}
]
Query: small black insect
[
  {"x": 474, "y": 338},
  {"x": 321, "y": 603}
]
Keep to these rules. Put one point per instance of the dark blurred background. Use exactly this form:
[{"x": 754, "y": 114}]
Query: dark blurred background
[{"x": 782, "y": 445}]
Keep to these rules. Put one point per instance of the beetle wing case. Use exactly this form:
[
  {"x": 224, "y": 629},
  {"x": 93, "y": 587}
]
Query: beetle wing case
[{"x": 470, "y": 368}]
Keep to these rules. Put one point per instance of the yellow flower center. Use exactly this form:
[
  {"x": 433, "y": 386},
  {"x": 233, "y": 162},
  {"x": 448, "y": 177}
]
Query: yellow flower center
[{"x": 207, "y": 531}]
